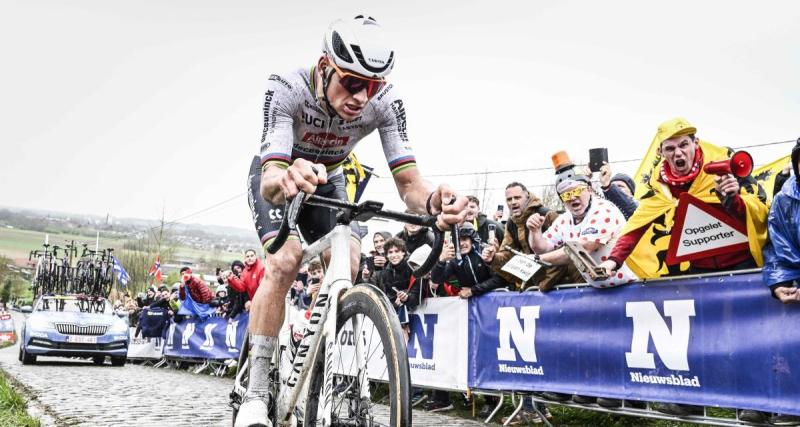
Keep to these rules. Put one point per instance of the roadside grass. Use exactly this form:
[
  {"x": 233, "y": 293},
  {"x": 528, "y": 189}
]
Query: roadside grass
[{"x": 12, "y": 407}]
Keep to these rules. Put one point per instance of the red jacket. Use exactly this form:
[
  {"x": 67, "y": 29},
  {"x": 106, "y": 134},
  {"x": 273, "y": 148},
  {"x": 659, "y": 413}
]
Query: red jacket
[
  {"x": 250, "y": 278},
  {"x": 198, "y": 289}
]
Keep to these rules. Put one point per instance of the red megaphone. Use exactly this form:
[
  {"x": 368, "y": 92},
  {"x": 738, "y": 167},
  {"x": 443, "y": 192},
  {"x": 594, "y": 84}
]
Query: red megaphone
[{"x": 740, "y": 165}]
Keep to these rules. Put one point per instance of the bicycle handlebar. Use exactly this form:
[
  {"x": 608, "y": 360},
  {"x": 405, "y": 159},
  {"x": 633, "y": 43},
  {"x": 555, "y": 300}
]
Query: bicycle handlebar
[{"x": 349, "y": 212}]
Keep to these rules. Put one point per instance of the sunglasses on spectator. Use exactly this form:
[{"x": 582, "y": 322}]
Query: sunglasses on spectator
[
  {"x": 576, "y": 192},
  {"x": 353, "y": 83}
]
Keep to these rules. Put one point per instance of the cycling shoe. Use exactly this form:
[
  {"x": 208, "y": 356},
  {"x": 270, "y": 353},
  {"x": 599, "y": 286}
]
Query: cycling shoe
[{"x": 253, "y": 412}]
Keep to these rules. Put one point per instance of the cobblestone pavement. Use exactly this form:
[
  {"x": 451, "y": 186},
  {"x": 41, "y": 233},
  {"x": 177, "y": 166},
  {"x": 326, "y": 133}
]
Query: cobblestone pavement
[{"x": 74, "y": 392}]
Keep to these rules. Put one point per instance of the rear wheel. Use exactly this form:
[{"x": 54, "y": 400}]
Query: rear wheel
[
  {"x": 386, "y": 365},
  {"x": 98, "y": 360},
  {"x": 118, "y": 361}
]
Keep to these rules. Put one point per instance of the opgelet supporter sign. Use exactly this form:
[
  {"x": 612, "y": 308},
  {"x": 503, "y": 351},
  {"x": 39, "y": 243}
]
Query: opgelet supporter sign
[{"x": 702, "y": 230}]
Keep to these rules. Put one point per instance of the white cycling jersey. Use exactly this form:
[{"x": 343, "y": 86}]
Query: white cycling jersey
[{"x": 296, "y": 126}]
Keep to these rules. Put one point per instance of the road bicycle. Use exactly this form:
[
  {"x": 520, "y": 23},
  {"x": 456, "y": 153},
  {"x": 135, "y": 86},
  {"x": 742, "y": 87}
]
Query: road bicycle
[{"x": 353, "y": 353}]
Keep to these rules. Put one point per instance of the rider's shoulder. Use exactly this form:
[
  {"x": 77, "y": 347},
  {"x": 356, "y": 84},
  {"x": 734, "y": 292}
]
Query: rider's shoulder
[
  {"x": 288, "y": 82},
  {"x": 388, "y": 95}
]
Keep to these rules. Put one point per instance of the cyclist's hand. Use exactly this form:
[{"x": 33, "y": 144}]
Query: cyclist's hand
[
  {"x": 302, "y": 176},
  {"x": 448, "y": 211}
]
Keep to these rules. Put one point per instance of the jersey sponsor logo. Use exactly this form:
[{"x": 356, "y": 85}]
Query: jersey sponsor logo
[
  {"x": 269, "y": 114},
  {"x": 275, "y": 215},
  {"x": 325, "y": 139},
  {"x": 280, "y": 80},
  {"x": 400, "y": 117},
  {"x": 384, "y": 92},
  {"x": 313, "y": 121},
  {"x": 312, "y": 107}
]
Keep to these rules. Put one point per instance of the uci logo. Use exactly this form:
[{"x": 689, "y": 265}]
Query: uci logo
[
  {"x": 275, "y": 215},
  {"x": 672, "y": 346}
]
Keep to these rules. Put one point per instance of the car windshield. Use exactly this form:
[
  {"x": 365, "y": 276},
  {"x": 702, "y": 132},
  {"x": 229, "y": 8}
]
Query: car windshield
[{"x": 72, "y": 305}]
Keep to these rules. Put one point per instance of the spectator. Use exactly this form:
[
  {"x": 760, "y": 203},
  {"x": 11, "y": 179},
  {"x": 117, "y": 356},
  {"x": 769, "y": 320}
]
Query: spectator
[
  {"x": 414, "y": 236},
  {"x": 781, "y": 178},
  {"x": 396, "y": 280},
  {"x": 781, "y": 270},
  {"x": 221, "y": 301},
  {"x": 681, "y": 171},
  {"x": 237, "y": 299},
  {"x": 251, "y": 275},
  {"x": 618, "y": 189},
  {"x": 472, "y": 275},
  {"x": 299, "y": 287},
  {"x": 378, "y": 259},
  {"x": 592, "y": 222},
  {"x": 162, "y": 299},
  {"x": 522, "y": 205},
  {"x": 315, "y": 277},
  {"x": 195, "y": 296},
  {"x": 481, "y": 223}
]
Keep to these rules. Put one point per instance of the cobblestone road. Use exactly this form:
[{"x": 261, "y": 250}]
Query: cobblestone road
[{"x": 73, "y": 392}]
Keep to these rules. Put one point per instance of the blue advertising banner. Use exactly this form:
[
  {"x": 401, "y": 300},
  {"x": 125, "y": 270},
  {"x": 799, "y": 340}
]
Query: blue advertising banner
[
  {"x": 212, "y": 338},
  {"x": 716, "y": 341}
]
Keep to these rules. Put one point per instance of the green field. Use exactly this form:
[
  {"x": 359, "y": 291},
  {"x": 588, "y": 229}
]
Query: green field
[{"x": 17, "y": 244}]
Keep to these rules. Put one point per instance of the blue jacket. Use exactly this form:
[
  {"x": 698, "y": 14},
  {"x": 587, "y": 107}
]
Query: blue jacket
[{"x": 782, "y": 254}]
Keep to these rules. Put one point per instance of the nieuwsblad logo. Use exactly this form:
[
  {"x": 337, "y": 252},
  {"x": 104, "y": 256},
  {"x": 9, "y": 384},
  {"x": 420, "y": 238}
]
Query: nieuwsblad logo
[
  {"x": 518, "y": 328},
  {"x": 421, "y": 334},
  {"x": 672, "y": 346}
]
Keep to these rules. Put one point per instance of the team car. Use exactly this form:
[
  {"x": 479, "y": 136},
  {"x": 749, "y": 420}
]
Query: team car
[{"x": 74, "y": 326}]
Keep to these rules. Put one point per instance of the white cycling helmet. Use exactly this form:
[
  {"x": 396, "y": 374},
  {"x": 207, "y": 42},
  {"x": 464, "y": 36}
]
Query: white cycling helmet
[{"x": 359, "y": 45}]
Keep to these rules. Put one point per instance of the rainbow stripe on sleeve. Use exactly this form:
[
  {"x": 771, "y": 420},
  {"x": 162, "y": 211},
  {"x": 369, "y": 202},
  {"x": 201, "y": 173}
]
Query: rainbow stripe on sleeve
[
  {"x": 402, "y": 163},
  {"x": 280, "y": 160}
]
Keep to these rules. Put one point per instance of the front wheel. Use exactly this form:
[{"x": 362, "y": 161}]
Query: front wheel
[{"x": 387, "y": 372}]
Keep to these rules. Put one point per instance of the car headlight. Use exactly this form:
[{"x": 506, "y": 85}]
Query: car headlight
[{"x": 41, "y": 323}]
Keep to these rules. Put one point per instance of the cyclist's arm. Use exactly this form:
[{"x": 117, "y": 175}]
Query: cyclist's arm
[{"x": 277, "y": 139}]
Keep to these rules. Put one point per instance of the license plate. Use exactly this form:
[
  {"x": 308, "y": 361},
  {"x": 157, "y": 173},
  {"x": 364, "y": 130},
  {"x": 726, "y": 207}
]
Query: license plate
[{"x": 83, "y": 339}]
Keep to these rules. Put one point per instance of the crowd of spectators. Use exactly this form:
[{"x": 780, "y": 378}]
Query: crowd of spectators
[{"x": 599, "y": 213}]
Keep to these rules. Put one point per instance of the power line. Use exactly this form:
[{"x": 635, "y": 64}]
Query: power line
[{"x": 550, "y": 168}]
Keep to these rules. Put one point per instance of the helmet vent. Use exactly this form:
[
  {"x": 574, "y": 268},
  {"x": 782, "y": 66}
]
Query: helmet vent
[{"x": 339, "y": 48}]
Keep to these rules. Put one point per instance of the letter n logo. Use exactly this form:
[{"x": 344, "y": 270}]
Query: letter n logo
[
  {"x": 422, "y": 333},
  {"x": 672, "y": 347},
  {"x": 523, "y": 334}
]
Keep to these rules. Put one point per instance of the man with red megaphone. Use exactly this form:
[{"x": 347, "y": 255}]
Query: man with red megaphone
[{"x": 686, "y": 164}]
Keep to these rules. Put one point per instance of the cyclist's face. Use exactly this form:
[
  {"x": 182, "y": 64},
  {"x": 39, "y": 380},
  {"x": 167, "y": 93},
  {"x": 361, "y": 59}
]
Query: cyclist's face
[
  {"x": 395, "y": 255},
  {"x": 348, "y": 106}
]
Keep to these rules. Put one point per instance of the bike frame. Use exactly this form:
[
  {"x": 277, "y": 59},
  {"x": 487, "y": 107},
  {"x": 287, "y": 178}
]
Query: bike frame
[{"x": 321, "y": 329}]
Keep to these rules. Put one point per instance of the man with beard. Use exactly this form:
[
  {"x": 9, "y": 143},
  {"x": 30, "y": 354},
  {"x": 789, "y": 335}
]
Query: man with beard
[
  {"x": 481, "y": 223},
  {"x": 521, "y": 205}
]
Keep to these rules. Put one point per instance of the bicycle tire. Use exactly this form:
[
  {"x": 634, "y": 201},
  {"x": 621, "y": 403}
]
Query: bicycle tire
[{"x": 369, "y": 302}]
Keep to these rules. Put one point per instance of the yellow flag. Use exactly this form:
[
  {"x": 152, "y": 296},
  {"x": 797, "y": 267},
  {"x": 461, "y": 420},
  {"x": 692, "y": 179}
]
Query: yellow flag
[
  {"x": 657, "y": 208},
  {"x": 765, "y": 175},
  {"x": 354, "y": 174}
]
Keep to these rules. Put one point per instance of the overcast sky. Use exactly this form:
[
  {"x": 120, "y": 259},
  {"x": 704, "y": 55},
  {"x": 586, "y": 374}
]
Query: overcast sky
[{"x": 125, "y": 107}]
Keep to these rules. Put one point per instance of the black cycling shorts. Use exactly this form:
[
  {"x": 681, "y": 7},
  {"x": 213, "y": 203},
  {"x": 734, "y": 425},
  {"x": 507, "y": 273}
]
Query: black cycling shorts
[{"x": 314, "y": 221}]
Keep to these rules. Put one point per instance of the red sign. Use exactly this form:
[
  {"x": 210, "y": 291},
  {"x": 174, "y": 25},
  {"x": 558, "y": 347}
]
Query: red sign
[{"x": 702, "y": 230}]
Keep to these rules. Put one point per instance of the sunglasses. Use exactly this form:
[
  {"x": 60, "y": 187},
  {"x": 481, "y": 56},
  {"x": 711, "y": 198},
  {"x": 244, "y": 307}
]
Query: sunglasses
[
  {"x": 353, "y": 83},
  {"x": 576, "y": 192}
]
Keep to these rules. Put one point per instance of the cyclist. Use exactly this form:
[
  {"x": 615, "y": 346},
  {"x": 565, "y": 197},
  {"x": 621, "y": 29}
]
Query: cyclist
[{"x": 312, "y": 121}]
